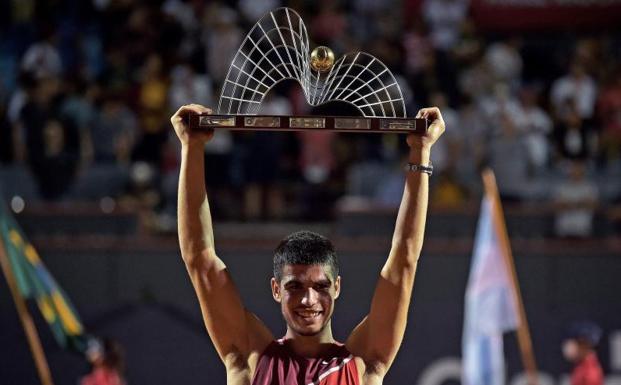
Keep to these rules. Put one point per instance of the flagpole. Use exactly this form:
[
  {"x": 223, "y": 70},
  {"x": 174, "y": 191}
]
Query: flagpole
[
  {"x": 24, "y": 315},
  {"x": 523, "y": 332}
]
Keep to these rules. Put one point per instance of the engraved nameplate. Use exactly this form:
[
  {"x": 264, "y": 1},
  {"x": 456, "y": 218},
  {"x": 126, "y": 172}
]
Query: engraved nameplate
[
  {"x": 262, "y": 121},
  {"x": 307, "y": 122},
  {"x": 215, "y": 121},
  {"x": 352, "y": 123},
  {"x": 387, "y": 124}
]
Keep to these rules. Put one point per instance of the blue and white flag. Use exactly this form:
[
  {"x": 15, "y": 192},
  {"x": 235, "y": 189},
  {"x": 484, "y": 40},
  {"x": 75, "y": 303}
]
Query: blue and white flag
[{"x": 490, "y": 308}]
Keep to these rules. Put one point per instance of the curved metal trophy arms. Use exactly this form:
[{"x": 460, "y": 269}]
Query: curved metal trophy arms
[{"x": 277, "y": 49}]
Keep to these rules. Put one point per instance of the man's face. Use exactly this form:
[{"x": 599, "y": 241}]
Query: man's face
[{"x": 306, "y": 295}]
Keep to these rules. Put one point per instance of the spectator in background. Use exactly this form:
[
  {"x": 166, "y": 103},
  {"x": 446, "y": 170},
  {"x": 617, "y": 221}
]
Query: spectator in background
[
  {"x": 183, "y": 13},
  {"x": 445, "y": 18},
  {"x": 575, "y": 200},
  {"x": 476, "y": 82},
  {"x": 502, "y": 107},
  {"x": 571, "y": 133},
  {"x": 117, "y": 71},
  {"x": 152, "y": 103},
  {"x": 447, "y": 158},
  {"x": 507, "y": 152},
  {"x": 114, "y": 131},
  {"x": 16, "y": 103},
  {"x": 106, "y": 359},
  {"x": 579, "y": 349},
  {"x": 52, "y": 142},
  {"x": 469, "y": 47},
  {"x": 419, "y": 60},
  {"x": 222, "y": 37},
  {"x": 362, "y": 19},
  {"x": 537, "y": 127},
  {"x": 56, "y": 165},
  {"x": 78, "y": 105},
  {"x": 187, "y": 85},
  {"x": 505, "y": 61},
  {"x": 330, "y": 24},
  {"x": 579, "y": 88},
  {"x": 42, "y": 59},
  {"x": 609, "y": 113},
  {"x": 316, "y": 155},
  {"x": 139, "y": 38},
  {"x": 474, "y": 133},
  {"x": 91, "y": 46},
  {"x": 573, "y": 99}
]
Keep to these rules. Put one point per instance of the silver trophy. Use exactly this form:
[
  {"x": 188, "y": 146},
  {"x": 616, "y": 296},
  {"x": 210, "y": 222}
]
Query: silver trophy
[{"x": 276, "y": 49}]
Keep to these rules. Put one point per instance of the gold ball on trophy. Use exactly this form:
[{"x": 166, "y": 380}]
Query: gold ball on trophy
[{"x": 322, "y": 59}]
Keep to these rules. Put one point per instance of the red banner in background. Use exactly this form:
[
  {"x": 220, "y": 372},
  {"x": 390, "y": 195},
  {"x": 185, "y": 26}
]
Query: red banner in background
[{"x": 521, "y": 15}]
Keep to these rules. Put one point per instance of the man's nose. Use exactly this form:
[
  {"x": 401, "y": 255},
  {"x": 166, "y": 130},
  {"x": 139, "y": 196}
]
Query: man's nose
[{"x": 310, "y": 297}]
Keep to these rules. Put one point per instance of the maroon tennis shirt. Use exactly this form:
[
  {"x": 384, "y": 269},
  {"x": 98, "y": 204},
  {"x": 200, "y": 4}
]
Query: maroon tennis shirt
[{"x": 279, "y": 365}]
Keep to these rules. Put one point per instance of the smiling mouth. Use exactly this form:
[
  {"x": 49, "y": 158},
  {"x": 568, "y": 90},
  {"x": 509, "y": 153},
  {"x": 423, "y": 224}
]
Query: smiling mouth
[{"x": 308, "y": 314}]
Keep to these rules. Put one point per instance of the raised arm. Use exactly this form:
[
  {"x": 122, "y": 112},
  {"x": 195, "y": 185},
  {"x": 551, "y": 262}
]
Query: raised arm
[
  {"x": 235, "y": 332},
  {"x": 378, "y": 337}
]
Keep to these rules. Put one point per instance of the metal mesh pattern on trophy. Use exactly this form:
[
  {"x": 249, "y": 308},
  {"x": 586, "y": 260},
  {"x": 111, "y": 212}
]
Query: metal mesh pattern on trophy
[{"x": 277, "y": 48}]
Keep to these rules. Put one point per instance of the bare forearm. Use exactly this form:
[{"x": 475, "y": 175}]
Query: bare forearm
[
  {"x": 409, "y": 232},
  {"x": 194, "y": 217}
]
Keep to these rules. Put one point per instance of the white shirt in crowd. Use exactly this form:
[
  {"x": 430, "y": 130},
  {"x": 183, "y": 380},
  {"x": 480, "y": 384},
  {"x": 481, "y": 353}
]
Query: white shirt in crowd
[
  {"x": 538, "y": 126},
  {"x": 582, "y": 91},
  {"x": 445, "y": 18}
]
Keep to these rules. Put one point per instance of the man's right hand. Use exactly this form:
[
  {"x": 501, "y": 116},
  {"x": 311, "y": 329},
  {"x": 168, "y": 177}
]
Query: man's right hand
[{"x": 180, "y": 122}]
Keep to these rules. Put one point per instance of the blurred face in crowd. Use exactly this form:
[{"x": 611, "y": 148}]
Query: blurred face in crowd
[
  {"x": 575, "y": 350},
  {"x": 306, "y": 294}
]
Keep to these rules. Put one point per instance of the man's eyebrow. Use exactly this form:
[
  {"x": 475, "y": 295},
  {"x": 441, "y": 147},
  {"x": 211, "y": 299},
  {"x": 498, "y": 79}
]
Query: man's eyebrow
[{"x": 294, "y": 281}]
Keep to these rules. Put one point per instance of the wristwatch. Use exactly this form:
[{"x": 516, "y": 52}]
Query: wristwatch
[{"x": 419, "y": 168}]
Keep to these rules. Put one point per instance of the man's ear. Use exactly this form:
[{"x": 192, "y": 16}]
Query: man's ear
[
  {"x": 337, "y": 286},
  {"x": 275, "y": 290}
]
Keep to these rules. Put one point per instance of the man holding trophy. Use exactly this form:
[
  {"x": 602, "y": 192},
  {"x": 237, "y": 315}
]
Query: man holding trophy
[{"x": 305, "y": 283}]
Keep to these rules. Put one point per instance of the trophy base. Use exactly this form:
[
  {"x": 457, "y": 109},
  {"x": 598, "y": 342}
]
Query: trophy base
[{"x": 299, "y": 123}]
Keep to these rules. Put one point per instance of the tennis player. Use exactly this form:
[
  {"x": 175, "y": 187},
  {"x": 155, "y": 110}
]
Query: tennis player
[{"x": 306, "y": 283}]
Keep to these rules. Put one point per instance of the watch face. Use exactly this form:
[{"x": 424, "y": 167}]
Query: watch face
[{"x": 420, "y": 168}]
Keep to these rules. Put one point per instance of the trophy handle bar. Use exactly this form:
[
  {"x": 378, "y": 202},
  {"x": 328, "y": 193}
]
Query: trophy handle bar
[{"x": 302, "y": 123}]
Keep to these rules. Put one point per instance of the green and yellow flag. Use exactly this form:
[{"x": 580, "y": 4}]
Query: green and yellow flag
[{"x": 35, "y": 282}]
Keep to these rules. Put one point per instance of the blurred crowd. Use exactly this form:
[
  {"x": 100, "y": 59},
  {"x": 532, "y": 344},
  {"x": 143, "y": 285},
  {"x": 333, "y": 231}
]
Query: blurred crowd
[{"x": 87, "y": 89}]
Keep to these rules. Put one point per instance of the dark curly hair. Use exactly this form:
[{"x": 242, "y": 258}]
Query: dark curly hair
[{"x": 305, "y": 248}]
